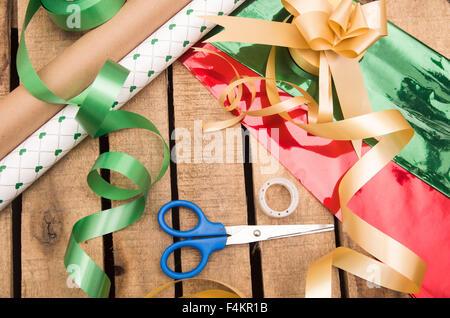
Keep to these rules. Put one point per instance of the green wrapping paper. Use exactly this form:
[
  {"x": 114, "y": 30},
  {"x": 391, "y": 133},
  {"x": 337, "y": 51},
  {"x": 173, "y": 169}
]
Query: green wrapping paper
[{"x": 399, "y": 72}]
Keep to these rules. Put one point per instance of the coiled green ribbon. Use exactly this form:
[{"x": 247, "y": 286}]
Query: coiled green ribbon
[
  {"x": 92, "y": 13},
  {"x": 97, "y": 119}
]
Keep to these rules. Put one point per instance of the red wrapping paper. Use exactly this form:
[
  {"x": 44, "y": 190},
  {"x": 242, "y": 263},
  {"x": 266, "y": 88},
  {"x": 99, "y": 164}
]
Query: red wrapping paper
[{"x": 394, "y": 201}]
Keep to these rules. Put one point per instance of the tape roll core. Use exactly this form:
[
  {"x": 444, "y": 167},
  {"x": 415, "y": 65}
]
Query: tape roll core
[{"x": 292, "y": 191}]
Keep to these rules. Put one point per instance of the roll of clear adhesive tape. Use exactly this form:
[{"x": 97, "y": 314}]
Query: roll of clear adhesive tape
[{"x": 292, "y": 190}]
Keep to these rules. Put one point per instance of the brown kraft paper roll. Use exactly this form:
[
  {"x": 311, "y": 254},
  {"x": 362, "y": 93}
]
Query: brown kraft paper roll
[{"x": 72, "y": 71}]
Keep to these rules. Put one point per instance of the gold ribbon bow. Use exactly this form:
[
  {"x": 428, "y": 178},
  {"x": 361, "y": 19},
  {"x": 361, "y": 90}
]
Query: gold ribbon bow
[
  {"x": 328, "y": 37},
  {"x": 344, "y": 27}
]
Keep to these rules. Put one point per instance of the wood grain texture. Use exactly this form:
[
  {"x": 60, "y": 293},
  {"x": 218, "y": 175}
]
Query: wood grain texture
[
  {"x": 425, "y": 20},
  {"x": 58, "y": 199},
  {"x": 138, "y": 248},
  {"x": 356, "y": 287},
  {"x": 61, "y": 197},
  {"x": 5, "y": 215},
  {"x": 6, "y": 274},
  {"x": 285, "y": 261},
  {"x": 14, "y": 16},
  {"x": 205, "y": 178},
  {"x": 428, "y": 22},
  {"x": 50, "y": 209},
  {"x": 5, "y": 45}
]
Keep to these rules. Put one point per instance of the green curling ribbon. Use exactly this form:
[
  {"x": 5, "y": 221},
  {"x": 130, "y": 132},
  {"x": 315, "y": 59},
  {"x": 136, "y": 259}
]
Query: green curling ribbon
[
  {"x": 97, "y": 118},
  {"x": 30, "y": 79},
  {"x": 81, "y": 15}
]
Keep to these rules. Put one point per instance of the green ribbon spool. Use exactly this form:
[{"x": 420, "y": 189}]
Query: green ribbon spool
[
  {"x": 81, "y": 15},
  {"x": 97, "y": 118}
]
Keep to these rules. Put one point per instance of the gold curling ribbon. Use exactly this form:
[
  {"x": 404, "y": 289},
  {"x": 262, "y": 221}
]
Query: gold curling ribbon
[
  {"x": 210, "y": 293},
  {"x": 340, "y": 34},
  {"x": 326, "y": 37}
]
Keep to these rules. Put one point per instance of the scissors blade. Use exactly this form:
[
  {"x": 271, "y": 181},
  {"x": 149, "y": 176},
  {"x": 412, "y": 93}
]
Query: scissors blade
[{"x": 254, "y": 233}]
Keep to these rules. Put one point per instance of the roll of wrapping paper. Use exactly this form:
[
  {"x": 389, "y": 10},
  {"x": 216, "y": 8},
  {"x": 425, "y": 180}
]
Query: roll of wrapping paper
[
  {"x": 399, "y": 73},
  {"x": 394, "y": 201},
  {"x": 92, "y": 13},
  {"x": 73, "y": 70},
  {"x": 52, "y": 141},
  {"x": 96, "y": 117}
]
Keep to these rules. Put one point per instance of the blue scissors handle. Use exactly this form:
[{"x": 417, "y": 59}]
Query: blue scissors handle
[
  {"x": 203, "y": 228},
  {"x": 206, "y": 246},
  {"x": 215, "y": 233}
]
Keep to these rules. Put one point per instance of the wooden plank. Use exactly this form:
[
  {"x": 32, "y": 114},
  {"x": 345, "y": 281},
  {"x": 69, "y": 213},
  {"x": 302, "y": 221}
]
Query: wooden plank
[
  {"x": 427, "y": 21},
  {"x": 5, "y": 215},
  {"x": 217, "y": 187},
  {"x": 6, "y": 283},
  {"x": 14, "y": 22},
  {"x": 356, "y": 287},
  {"x": 50, "y": 209},
  {"x": 59, "y": 198},
  {"x": 285, "y": 261},
  {"x": 137, "y": 249},
  {"x": 5, "y": 46}
]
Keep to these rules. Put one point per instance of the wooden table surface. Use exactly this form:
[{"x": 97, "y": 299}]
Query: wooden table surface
[{"x": 35, "y": 228}]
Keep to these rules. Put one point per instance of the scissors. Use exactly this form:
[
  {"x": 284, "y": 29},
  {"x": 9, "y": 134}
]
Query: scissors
[{"x": 208, "y": 237}]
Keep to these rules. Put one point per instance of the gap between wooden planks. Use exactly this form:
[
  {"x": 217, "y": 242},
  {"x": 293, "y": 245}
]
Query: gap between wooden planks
[
  {"x": 61, "y": 197},
  {"x": 428, "y": 22},
  {"x": 6, "y": 274},
  {"x": 46, "y": 223}
]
